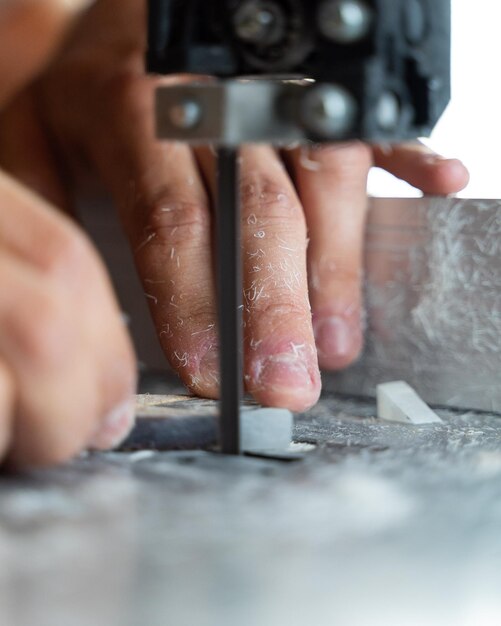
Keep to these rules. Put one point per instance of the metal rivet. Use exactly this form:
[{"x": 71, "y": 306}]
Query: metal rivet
[
  {"x": 344, "y": 21},
  {"x": 185, "y": 115},
  {"x": 329, "y": 111}
]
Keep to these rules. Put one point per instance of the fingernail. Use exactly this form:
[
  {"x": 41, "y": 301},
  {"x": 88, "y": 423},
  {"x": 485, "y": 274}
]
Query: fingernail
[
  {"x": 116, "y": 427},
  {"x": 284, "y": 371},
  {"x": 334, "y": 337}
]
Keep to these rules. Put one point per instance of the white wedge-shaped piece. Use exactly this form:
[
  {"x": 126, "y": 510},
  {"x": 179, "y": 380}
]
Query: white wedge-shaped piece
[{"x": 398, "y": 402}]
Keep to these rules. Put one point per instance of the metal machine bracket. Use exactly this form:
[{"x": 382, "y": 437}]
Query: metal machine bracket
[{"x": 290, "y": 71}]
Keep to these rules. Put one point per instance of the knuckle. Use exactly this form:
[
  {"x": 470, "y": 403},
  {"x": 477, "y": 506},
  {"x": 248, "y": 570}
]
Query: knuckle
[
  {"x": 201, "y": 313},
  {"x": 168, "y": 221},
  {"x": 264, "y": 196},
  {"x": 282, "y": 309}
]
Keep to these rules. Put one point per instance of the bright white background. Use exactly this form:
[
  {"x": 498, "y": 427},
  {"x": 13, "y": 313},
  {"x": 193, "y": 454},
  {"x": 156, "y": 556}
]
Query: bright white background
[{"x": 471, "y": 127}]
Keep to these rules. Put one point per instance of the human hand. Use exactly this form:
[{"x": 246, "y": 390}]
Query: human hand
[
  {"x": 98, "y": 103},
  {"x": 67, "y": 371}
]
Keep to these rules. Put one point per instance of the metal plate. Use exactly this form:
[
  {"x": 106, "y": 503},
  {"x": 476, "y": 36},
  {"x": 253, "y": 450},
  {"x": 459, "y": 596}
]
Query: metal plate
[{"x": 433, "y": 299}]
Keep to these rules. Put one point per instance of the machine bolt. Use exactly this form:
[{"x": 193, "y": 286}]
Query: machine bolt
[
  {"x": 388, "y": 111},
  {"x": 344, "y": 21},
  {"x": 185, "y": 115},
  {"x": 329, "y": 111},
  {"x": 259, "y": 22}
]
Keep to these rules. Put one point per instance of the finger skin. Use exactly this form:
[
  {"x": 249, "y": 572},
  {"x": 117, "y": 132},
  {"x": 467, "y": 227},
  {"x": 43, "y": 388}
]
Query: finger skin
[
  {"x": 60, "y": 331},
  {"x": 281, "y": 367},
  {"x": 30, "y": 33},
  {"x": 7, "y": 394},
  {"x": 166, "y": 214},
  {"x": 421, "y": 167},
  {"x": 171, "y": 237},
  {"x": 331, "y": 182},
  {"x": 59, "y": 404},
  {"x": 156, "y": 186},
  {"x": 26, "y": 153},
  {"x": 57, "y": 407}
]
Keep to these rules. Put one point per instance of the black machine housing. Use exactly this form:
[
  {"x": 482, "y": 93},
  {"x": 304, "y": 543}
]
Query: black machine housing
[{"x": 405, "y": 52}]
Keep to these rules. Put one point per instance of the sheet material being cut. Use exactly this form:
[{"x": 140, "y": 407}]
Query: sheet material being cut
[{"x": 398, "y": 402}]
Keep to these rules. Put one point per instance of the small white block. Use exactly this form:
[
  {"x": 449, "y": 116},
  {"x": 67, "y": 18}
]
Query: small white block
[
  {"x": 265, "y": 429},
  {"x": 398, "y": 402}
]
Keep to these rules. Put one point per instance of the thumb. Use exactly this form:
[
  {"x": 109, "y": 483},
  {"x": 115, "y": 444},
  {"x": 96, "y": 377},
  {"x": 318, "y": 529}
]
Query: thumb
[{"x": 30, "y": 32}]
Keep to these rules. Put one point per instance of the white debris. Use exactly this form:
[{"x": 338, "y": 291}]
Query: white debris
[
  {"x": 140, "y": 455},
  {"x": 398, "y": 402}
]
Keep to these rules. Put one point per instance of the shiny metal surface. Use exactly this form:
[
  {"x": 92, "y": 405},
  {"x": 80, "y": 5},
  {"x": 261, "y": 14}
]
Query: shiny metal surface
[{"x": 433, "y": 300}]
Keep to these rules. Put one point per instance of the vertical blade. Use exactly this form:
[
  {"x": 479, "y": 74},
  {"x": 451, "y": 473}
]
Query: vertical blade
[{"x": 229, "y": 285}]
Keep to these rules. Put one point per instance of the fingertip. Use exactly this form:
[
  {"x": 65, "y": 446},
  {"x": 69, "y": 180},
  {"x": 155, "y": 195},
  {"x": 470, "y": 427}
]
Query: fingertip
[
  {"x": 422, "y": 168},
  {"x": 201, "y": 387},
  {"x": 285, "y": 380},
  {"x": 339, "y": 341},
  {"x": 447, "y": 176},
  {"x": 116, "y": 426},
  {"x": 294, "y": 400},
  {"x": 198, "y": 368}
]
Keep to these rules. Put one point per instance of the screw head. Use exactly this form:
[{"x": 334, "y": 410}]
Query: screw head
[
  {"x": 388, "y": 111},
  {"x": 344, "y": 21},
  {"x": 185, "y": 115},
  {"x": 329, "y": 111},
  {"x": 258, "y": 22}
]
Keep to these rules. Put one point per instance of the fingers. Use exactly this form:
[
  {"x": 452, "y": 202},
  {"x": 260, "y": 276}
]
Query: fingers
[
  {"x": 165, "y": 211},
  {"x": 61, "y": 337},
  {"x": 156, "y": 186},
  {"x": 421, "y": 167},
  {"x": 332, "y": 186},
  {"x": 30, "y": 32},
  {"x": 280, "y": 364},
  {"x": 57, "y": 402},
  {"x": 170, "y": 231}
]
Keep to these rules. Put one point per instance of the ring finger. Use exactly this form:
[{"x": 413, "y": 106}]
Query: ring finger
[{"x": 332, "y": 182}]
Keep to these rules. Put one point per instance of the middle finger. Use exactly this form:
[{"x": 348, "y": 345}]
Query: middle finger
[{"x": 281, "y": 367}]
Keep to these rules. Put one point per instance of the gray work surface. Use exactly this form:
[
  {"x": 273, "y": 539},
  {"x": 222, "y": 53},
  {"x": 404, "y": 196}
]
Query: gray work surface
[{"x": 381, "y": 524}]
